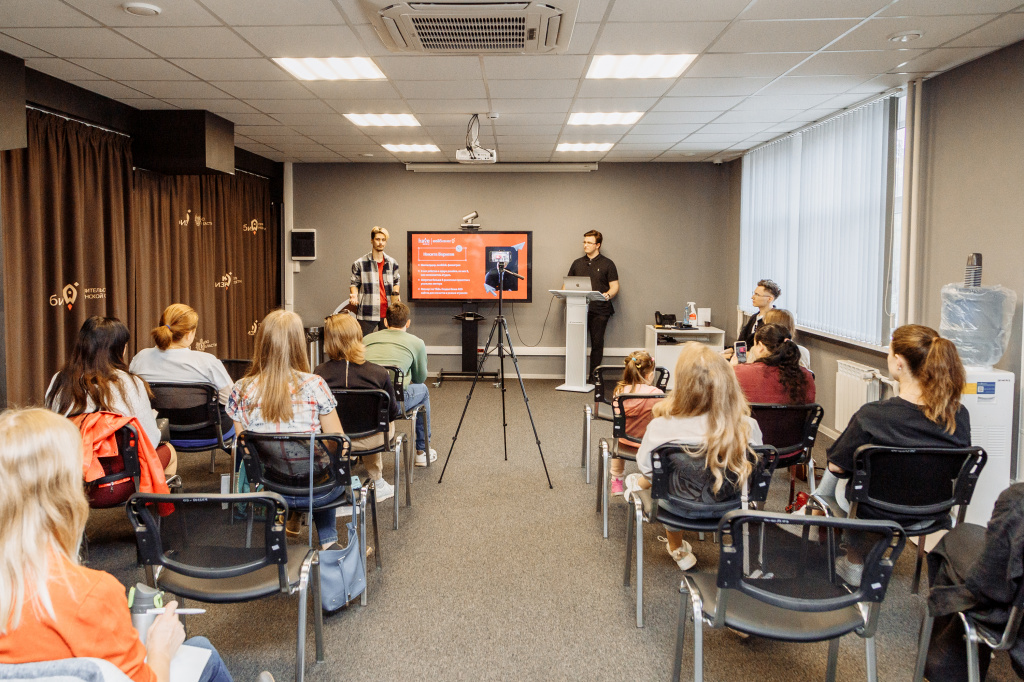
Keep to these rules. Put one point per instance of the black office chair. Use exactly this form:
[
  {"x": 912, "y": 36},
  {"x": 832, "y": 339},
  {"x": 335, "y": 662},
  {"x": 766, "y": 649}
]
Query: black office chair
[
  {"x": 646, "y": 507},
  {"x": 236, "y": 369},
  {"x": 792, "y": 429},
  {"x": 615, "y": 449},
  {"x": 200, "y": 551},
  {"x": 916, "y": 487},
  {"x": 197, "y": 422},
  {"x": 605, "y": 378},
  {"x": 801, "y": 600},
  {"x": 410, "y": 415},
  {"x": 364, "y": 417}
]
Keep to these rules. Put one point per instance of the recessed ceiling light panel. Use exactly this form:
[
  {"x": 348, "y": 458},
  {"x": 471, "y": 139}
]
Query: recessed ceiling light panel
[
  {"x": 597, "y": 119},
  {"x": 331, "y": 69},
  {"x": 639, "y": 65},
  {"x": 141, "y": 9},
  {"x": 905, "y": 36},
  {"x": 383, "y": 119},
  {"x": 584, "y": 147},
  {"x": 411, "y": 147}
]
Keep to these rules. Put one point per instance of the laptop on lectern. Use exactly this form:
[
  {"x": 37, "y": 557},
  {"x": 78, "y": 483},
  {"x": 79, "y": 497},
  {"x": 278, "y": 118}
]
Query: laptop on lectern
[{"x": 576, "y": 283}]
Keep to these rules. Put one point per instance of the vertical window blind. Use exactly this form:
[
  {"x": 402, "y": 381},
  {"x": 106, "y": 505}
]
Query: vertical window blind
[{"x": 816, "y": 216}]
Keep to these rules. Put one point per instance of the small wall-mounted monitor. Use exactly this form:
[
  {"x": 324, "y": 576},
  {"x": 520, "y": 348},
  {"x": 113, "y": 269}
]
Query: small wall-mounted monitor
[{"x": 303, "y": 244}]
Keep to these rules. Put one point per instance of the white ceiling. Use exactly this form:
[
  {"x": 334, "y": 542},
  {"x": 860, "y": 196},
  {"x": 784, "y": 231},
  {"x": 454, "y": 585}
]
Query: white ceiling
[{"x": 765, "y": 67}]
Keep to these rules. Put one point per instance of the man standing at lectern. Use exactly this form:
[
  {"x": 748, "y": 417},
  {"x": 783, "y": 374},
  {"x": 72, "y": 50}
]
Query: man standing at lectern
[
  {"x": 604, "y": 278},
  {"x": 374, "y": 283}
]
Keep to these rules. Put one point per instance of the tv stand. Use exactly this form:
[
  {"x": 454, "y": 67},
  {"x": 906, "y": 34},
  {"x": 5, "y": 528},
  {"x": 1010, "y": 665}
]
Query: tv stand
[{"x": 470, "y": 344}]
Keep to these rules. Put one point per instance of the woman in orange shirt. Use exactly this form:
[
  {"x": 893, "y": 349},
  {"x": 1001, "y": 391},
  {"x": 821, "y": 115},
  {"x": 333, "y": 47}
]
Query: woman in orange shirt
[{"x": 52, "y": 608}]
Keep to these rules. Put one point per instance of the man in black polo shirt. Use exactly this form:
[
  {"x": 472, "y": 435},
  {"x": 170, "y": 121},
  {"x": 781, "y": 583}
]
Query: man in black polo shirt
[{"x": 604, "y": 278}]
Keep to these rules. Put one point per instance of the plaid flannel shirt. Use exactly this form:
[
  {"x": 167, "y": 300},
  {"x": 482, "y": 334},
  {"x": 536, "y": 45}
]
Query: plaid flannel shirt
[{"x": 364, "y": 276}]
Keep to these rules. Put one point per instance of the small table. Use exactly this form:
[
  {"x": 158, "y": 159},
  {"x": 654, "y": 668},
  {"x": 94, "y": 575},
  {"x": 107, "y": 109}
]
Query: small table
[{"x": 666, "y": 354}]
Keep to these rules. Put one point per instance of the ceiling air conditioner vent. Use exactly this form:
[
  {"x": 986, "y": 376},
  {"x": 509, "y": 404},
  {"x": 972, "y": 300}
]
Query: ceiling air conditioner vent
[{"x": 474, "y": 26}]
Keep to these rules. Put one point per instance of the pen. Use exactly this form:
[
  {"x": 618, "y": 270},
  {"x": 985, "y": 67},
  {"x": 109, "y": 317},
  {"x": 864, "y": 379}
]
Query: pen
[{"x": 179, "y": 612}]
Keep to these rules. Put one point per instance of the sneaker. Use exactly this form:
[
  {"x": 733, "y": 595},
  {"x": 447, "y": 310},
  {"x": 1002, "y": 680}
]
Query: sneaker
[
  {"x": 798, "y": 504},
  {"x": 421, "y": 457},
  {"x": 265, "y": 676},
  {"x": 617, "y": 486},
  {"x": 293, "y": 525},
  {"x": 385, "y": 491},
  {"x": 344, "y": 511},
  {"x": 849, "y": 571},
  {"x": 683, "y": 556},
  {"x": 631, "y": 485}
]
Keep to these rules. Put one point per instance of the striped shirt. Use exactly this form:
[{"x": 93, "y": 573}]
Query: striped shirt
[{"x": 364, "y": 276}]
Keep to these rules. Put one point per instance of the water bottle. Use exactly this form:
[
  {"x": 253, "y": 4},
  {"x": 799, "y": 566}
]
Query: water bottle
[
  {"x": 691, "y": 314},
  {"x": 141, "y": 599}
]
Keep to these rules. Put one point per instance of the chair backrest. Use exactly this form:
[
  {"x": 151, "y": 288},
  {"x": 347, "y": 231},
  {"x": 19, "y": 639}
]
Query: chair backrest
[
  {"x": 763, "y": 457},
  {"x": 790, "y": 428},
  {"x": 619, "y": 403},
  {"x": 124, "y": 466},
  {"x": 923, "y": 483},
  {"x": 188, "y": 407},
  {"x": 237, "y": 368},
  {"x": 661, "y": 377},
  {"x": 363, "y": 411},
  {"x": 398, "y": 380},
  {"x": 280, "y": 462},
  {"x": 606, "y": 377},
  {"x": 804, "y": 579},
  {"x": 211, "y": 536}
]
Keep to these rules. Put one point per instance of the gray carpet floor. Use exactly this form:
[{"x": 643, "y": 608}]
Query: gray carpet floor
[{"x": 494, "y": 576}]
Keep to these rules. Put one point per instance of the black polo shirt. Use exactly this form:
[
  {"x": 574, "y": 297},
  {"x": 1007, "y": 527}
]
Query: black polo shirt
[{"x": 601, "y": 271}]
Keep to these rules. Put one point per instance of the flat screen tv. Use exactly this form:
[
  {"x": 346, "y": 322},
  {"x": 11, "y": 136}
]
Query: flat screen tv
[{"x": 463, "y": 266}]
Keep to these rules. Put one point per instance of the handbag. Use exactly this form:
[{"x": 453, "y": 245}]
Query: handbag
[{"x": 342, "y": 571}]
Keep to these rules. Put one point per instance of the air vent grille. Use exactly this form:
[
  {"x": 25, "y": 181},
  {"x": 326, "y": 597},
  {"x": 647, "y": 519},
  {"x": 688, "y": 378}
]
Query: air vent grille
[{"x": 471, "y": 33}]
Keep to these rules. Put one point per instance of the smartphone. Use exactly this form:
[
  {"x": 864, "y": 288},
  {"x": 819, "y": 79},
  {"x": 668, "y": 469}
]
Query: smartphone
[{"x": 740, "y": 347}]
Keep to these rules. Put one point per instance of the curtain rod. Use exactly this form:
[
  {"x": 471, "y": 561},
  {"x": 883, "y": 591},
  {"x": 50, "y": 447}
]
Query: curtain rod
[{"x": 66, "y": 117}]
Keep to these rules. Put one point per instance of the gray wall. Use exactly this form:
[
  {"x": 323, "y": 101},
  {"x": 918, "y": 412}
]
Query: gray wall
[{"x": 672, "y": 230}]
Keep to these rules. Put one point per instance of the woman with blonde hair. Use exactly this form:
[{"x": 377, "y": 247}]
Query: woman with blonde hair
[
  {"x": 637, "y": 376},
  {"x": 279, "y": 395},
  {"x": 348, "y": 368},
  {"x": 51, "y": 607},
  {"x": 706, "y": 413}
]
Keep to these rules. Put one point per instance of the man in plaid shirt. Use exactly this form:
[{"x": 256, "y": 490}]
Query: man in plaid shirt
[{"x": 373, "y": 283}]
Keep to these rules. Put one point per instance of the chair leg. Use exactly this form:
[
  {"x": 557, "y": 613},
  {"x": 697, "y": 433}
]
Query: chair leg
[
  {"x": 698, "y": 646},
  {"x": 629, "y": 545},
  {"x": 376, "y": 534},
  {"x": 639, "y": 568},
  {"x": 585, "y": 452},
  {"x": 408, "y": 473},
  {"x": 684, "y": 598},
  {"x": 917, "y": 568},
  {"x": 213, "y": 461},
  {"x": 792, "y": 484},
  {"x": 973, "y": 662},
  {"x": 318, "y": 612},
  {"x": 922, "y": 645},
  {"x": 606, "y": 484},
  {"x": 361, "y": 531},
  {"x": 600, "y": 472},
  {"x": 833, "y": 660},
  {"x": 398, "y": 476},
  {"x": 810, "y": 475},
  {"x": 871, "y": 658},
  {"x": 300, "y": 652}
]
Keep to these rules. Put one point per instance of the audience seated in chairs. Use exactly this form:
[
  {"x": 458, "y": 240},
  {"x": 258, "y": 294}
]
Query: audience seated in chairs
[
  {"x": 637, "y": 377},
  {"x": 926, "y": 413},
  {"x": 279, "y": 395},
  {"x": 706, "y": 412},
  {"x": 50, "y": 606},
  {"x": 772, "y": 373},
  {"x": 348, "y": 368},
  {"x": 396, "y": 347},
  {"x": 96, "y": 379},
  {"x": 785, "y": 318}
]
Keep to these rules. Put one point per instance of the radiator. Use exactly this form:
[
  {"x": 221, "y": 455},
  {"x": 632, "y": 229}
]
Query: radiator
[{"x": 856, "y": 384}]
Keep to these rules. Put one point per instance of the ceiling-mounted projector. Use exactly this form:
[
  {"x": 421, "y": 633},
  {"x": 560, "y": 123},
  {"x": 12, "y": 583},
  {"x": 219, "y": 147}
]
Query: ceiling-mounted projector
[{"x": 473, "y": 152}]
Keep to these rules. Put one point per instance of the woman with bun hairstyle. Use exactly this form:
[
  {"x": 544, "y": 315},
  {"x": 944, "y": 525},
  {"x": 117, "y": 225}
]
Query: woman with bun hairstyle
[
  {"x": 785, "y": 318},
  {"x": 637, "y": 376},
  {"x": 172, "y": 359},
  {"x": 773, "y": 373}
]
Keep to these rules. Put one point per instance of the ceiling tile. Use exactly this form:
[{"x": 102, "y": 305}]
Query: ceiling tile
[
  {"x": 234, "y": 69},
  {"x": 176, "y": 89},
  {"x": 135, "y": 69},
  {"x": 537, "y": 139},
  {"x": 781, "y": 36},
  {"x": 717, "y": 87},
  {"x": 216, "y": 106},
  {"x": 544, "y": 67},
  {"x": 698, "y": 103},
  {"x": 174, "y": 13},
  {"x": 813, "y": 85},
  {"x": 352, "y": 89},
  {"x": 258, "y": 132},
  {"x": 835, "y": 104},
  {"x": 275, "y": 12},
  {"x": 369, "y": 106},
  {"x": 788, "y": 102},
  {"x": 529, "y": 106},
  {"x": 813, "y": 9},
  {"x": 441, "y": 89},
  {"x": 371, "y": 41},
  {"x": 291, "y": 106},
  {"x": 265, "y": 89},
  {"x": 544, "y": 89},
  {"x": 111, "y": 89},
  {"x": 582, "y": 38},
  {"x": 665, "y": 129},
  {"x": 40, "y": 13},
  {"x": 328, "y": 119},
  {"x": 254, "y": 119},
  {"x": 641, "y": 146},
  {"x": 653, "y": 139},
  {"x": 866, "y": 63},
  {"x": 634, "y": 87},
  {"x": 885, "y": 82},
  {"x": 691, "y": 10},
  {"x": 716, "y": 138},
  {"x": 451, "y": 106},
  {"x": 755, "y": 116},
  {"x": 1003, "y": 31},
  {"x": 353, "y": 11},
  {"x": 147, "y": 103},
  {"x": 745, "y": 65},
  {"x": 658, "y": 38},
  {"x": 58, "y": 68},
  {"x": 534, "y": 118},
  {"x": 198, "y": 42},
  {"x": 304, "y": 41},
  {"x": 430, "y": 68},
  {"x": 663, "y": 117},
  {"x": 20, "y": 49},
  {"x": 79, "y": 42},
  {"x": 907, "y": 8},
  {"x": 435, "y": 121},
  {"x": 695, "y": 145},
  {"x": 586, "y": 104},
  {"x": 506, "y": 131},
  {"x": 274, "y": 139},
  {"x": 944, "y": 58},
  {"x": 874, "y": 33},
  {"x": 592, "y": 10},
  {"x": 738, "y": 128}
]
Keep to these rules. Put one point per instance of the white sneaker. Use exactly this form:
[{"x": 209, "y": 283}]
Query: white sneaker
[
  {"x": 631, "y": 485},
  {"x": 421, "y": 457},
  {"x": 849, "y": 571},
  {"x": 385, "y": 491},
  {"x": 683, "y": 556},
  {"x": 342, "y": 512}
]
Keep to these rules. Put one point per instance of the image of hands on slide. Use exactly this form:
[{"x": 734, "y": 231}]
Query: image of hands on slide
[{"x": 467, "y": 266}]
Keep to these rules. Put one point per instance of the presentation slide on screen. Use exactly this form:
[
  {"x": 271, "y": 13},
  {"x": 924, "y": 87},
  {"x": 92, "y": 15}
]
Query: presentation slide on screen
[{"x": 464, "y": 266}]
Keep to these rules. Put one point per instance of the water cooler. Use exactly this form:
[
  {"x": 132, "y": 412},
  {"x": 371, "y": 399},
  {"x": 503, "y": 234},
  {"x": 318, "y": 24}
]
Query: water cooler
[{"x": 988, "y": 396}]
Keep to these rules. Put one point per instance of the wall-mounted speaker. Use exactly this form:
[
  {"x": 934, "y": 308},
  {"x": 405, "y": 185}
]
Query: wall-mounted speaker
[{"x": 303, "y": 244}]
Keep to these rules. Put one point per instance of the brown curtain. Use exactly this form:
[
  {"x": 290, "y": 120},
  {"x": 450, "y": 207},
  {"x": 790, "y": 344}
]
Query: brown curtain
[
  {"x": 66, "y": 202},
  {"x": 211, "y": 242}
]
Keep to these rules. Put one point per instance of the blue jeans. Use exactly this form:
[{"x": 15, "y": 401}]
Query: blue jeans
[
  {"x": 215, "y": 670},
  {"x": 415, "y": 395},
  {"x": 324, "y": 519}
]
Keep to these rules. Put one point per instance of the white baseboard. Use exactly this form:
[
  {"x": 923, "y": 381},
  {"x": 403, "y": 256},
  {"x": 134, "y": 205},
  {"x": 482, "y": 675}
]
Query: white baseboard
[
  {"x": 524, "y": 351},
  {"x": 510, "y": 375},
  {"x": 831, "y": 433}
]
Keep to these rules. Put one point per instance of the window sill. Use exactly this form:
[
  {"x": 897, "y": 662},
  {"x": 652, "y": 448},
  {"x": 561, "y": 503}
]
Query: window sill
[{"x": 881, "y": 350}]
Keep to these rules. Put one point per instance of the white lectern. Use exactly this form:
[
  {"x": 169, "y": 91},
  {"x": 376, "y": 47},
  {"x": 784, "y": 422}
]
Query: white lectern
[{"x": 576, "y": 338}]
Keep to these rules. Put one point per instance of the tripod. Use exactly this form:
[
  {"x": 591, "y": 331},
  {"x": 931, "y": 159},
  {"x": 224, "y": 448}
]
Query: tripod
[{"x": 503, "y": 337}]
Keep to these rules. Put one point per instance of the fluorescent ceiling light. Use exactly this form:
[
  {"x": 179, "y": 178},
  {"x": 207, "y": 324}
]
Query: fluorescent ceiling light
[
  {"x": 584, "y": 147},
  {"x": 332, "y": 69},
  {"x": 411, "y": 147},
  {"x": 383, "y": 119},
  {"x": 623, "y": 118},
  {"x": 639, "y": 65}
]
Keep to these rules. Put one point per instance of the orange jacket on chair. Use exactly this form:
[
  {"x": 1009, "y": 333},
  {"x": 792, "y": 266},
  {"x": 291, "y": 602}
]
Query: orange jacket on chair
[{"x": 98, "y": 441}]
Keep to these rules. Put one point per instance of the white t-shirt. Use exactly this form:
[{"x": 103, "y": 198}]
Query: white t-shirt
[
  {"x": 134, "y": 403},
  {"x": 682, "y": 430},
  {"x": 182, "y": 366}
]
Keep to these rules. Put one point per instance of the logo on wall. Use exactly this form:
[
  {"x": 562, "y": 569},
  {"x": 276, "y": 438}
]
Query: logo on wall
[
  {"x": 226, "y": 280},
  {"x": 67, "y": 296},
  {"x": 254, "y": 327},
  {"x": 198, "y": 219},
  {"x": 203, "y": 344},
  {"x": 253, "y": 226}
]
